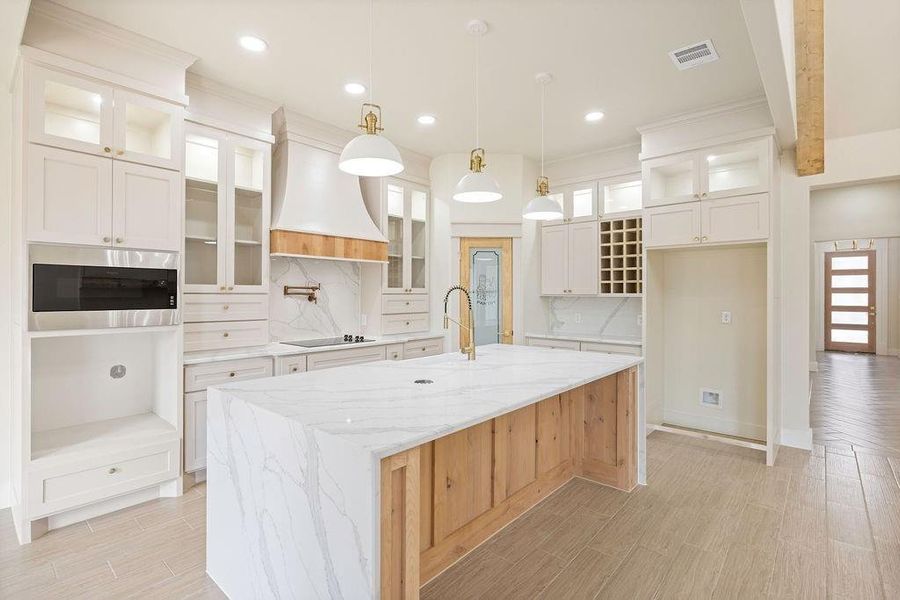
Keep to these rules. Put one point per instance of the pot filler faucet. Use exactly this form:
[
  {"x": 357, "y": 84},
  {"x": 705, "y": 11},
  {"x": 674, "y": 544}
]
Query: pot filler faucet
[{"x": 470, "y": 349}]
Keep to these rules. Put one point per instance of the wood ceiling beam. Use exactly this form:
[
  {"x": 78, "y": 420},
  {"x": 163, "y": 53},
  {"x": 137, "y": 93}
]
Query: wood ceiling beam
[{"x": 809, "y": 46}]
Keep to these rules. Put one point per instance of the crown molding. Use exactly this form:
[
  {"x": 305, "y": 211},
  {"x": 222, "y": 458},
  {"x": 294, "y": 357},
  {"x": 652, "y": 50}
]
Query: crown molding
[
  {"x": 101, "y": 29},
  {"x": 226, "y": 92},
  {"x": 705, "y": 114},
  {"x": 591, "y": 153}
]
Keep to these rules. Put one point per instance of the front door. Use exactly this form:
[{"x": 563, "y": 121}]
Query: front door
[
  {"x": 850, "y": 301},
  {"x": 485, "y": 269}
]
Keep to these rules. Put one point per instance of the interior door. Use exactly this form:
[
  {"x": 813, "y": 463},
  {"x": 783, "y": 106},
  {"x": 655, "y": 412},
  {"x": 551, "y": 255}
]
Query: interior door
[
  {"x": 850, "y": 301},
  {"x": 485, "y": 269}
]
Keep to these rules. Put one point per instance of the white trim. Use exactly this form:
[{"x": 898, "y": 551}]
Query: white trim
[
  {"x": 715, "y": 424},
  {"x": 704, "y": 114},
  {"x": 80, "y": 69},
  {"x": 813, "y": 366},
  {"x": 362, "y": 260},
  {"x": 702, "y": 435},
  {"x": 797, "y": 438},
  {"x": 228, "y": 126},
  {"x": 476, "y": 230},
  {"x": 721, "y": 140},
  {"x": 97, "y": 28}
]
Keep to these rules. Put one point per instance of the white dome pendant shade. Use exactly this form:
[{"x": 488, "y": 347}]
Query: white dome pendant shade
[
  {"x": 476, "y": 185},
  {"x": 542, "y": 207},
  {"x": 369, "y": 154}
]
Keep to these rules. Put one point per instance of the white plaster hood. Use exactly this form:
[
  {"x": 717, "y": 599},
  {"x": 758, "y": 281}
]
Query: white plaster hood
[{"x": 309, "y": 193}]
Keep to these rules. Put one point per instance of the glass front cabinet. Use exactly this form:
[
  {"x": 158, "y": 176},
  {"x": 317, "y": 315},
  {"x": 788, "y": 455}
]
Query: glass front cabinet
[
  {"x": 578, "y": 202},
  {"x": 66, "y": 111},
  {"x": 405, "y": 224},
  {"x": 227, "y": 202}
]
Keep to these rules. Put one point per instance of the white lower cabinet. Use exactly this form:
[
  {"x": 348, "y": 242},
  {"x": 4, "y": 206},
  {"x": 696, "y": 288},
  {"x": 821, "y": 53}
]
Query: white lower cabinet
[
  {"x": 226, "y": 334},
  {"x": 393, "y": 352},
  {"x": 722, "y": 220},
  {"x": 208, "y": 308},
  {"x": 339, "y": 358},
  {"x": 393, "y": 304},
  {"x": 548, "y": 343},
  {"x": 285, "y": 365},
  {"x": 404, "y": 323},
  {"x": 419, "y": 348},
  {"x": 194, "y": 431},
  {"x": 564, "y": 344}
]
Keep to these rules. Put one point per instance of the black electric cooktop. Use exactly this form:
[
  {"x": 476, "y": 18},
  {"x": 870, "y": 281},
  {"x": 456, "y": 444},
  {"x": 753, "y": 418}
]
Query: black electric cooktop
[{"x": 333, "y": 341}]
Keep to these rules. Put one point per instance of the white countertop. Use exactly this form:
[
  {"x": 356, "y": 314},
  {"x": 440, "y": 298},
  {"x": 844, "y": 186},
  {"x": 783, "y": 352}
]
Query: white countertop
[
  {"x": 378, "y": 408},
  {"x": 600, "y": 339},
  {"x": 279, "y": 349}
]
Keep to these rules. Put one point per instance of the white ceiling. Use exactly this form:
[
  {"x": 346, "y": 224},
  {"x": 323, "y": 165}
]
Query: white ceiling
[
  {"x": 608, "y": 55},
  {"x": 862, "y": 77}
]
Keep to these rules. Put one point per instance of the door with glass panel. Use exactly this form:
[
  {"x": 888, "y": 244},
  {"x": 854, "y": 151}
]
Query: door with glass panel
[
  {"x": 205, "y": 210},
  {"x": 850, "y": 301},
  {"x": 247, "y": 257},
  {"x": 485, "y": 269},
  {"x": 406, "y": 228}
]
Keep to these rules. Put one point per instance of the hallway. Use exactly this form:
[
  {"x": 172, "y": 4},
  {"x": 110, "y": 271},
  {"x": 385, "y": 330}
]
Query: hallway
[{"x": 856, "y": 402}]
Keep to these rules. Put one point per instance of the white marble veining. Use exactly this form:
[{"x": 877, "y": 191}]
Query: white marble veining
[
  {"x": 601, "y": 317},
  {"x": 600, "y": 339},
  {"x": 337, "y": 310},
  {"x": 292, "y": 467}
]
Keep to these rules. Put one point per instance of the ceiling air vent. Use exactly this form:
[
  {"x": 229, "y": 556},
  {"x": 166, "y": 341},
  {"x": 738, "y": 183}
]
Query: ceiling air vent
[{"x": 694, "y": 55}]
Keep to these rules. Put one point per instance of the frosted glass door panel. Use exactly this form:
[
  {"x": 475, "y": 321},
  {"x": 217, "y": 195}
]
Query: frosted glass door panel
[
  {"x": 849, "y": 299},
  {"x": 852, "y": 336},
  {"x": 840, "y": 263},
  {"x": 204, "y": 209},
  {"x": 622, "y": 197},
  {"x": 733, "y": 171},
  {"x": 418, "y": 239},
  {"x": 71, "y": 112},
  {"x": 849, "y": 281},
  {"x": 849, "y": 318},
  {"x": 395, "y": 232},
  {"x": 583, "y": 203},
  {"x": 486, "y": 294}
]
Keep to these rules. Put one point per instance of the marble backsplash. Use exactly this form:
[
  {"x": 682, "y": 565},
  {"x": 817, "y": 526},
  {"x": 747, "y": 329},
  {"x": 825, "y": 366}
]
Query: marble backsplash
[
  {"x": 294, "y": 317},
  {"x": 612, "y": 317}
]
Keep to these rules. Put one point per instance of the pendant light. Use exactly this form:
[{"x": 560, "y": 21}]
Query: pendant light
[
  {"x": 369, "y": 154},
  {"x": 476, "y": 185},
  {"x": 542, "y": 207}
]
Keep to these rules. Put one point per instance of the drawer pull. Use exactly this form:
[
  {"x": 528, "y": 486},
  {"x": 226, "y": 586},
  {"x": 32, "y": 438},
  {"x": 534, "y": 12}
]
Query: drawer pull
[
  {"x": 293, "y": 369},
  {"x": 407, "y": 322},
  {"x": 119, "y": 240},
  {"x": 407, "y": 303},
  {"x": 225, "y": 307},
  {"x": 231, "y": 374},
  {"x": 423, "y": 348},
  {"x": 225, "y": 334},
  {"x": 113, "y": 470}
]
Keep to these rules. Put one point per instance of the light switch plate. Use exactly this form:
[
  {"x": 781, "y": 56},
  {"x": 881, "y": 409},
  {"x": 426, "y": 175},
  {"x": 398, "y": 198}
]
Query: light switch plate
[
  {"x": 578, "y": 317},
  {"x": 726, "y": 317}
]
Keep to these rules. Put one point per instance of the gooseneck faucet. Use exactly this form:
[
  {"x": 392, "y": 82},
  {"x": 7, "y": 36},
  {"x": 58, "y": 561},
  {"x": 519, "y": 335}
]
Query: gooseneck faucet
[{"x": 470, "y": 349}]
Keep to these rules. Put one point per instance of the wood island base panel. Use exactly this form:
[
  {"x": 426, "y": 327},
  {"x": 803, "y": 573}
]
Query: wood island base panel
[
  {"x": 442, "y": 499},
  {"x": 366, "y": 481}
]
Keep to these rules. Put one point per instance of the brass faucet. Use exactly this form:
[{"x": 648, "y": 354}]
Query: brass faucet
[{"x": 470, "y": 349}]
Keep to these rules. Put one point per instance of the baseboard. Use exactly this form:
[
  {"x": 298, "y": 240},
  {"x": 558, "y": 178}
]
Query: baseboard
[
  {"x": 797, "y": 438},
  {"x": 724, "y": 439},
  {"x": 813, "y": 366},
  {"x": 102, "y": 507},
  {"x": 715, "y": 424}
]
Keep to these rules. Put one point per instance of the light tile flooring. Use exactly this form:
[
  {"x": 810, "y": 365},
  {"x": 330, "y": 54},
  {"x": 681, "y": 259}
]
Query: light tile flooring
[
  {"x": 856, "y": 401},
  {"x": 713, "y": 523}
]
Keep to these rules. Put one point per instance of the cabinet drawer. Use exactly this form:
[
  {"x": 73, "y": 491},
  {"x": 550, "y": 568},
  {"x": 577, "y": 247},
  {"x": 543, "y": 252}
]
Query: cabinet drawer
[
  {"x": 610, "y": 348},
  {"x": 285, "y": 365},
  {"x": 396, "y": 304},
  {"x": 204, "y": 308},
  {"x": 394, "y": 352},
  {"x": 545, "y": 343},
  {"x": 199, "y": 377},
  {"x": 194, "y": 431},
  {"x": 423, "y": 348},
  {"x": 404, "y": 323},
  {"x": 223, "y": 335},
  {"x": 339, "y": 358},
  {"x": 58, "y": 489}
]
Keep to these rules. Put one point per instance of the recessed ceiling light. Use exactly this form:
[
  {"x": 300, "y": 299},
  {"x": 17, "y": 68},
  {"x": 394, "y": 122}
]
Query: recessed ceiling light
[
  {"x": 355, "y": 88},
  {"x": 710, "y": 158},
  {"x": 253, "y": 43},
  {"x": 426, "y": 119},
  {"x": 593, "y": 117}
]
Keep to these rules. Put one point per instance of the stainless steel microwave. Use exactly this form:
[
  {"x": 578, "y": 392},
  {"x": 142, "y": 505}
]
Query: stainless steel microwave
[{"x": 92, "y": 288}]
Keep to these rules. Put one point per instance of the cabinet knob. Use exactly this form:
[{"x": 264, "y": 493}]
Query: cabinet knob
[
  {"x": 696, "y": 238},
  {"x": 113, "y": 470},
  {"x": 120, "y": 152},
  {"x": 232, "y": 373},
  {"x": 407, "y": 303},
  {"x": 225, "y": 334},
  {"x": 407, "y": 322},
  {"x": 107, "y": 149},
  {"x": 703, "y": 195},
  {"x": 225, "y": 307},
  {"x": 106, "y": 238},
  {"x": 230, "y": 287},
  {"x": 293, "y": 369},
  {"x": 705, "y": 238},
  {"x": 423, "y": 348},
  {"x": 119, "y": 240}
]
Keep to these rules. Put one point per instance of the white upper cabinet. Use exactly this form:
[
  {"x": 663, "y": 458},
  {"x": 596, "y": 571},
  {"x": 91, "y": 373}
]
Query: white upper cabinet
[
  {"x": 714, "y": 172},
  {"x": 69, "y": 197},
  {"x": 570, "y": 259},
  {"x": 80, "y": 114},
  {"x": 723, "y": 220},
  {"x": 227, "y": 203},
  {"x": 578, "y": 202},
  {"x": 405, "y": 223},
  {"x": 620, "y": 195},
  {"x": 146, "y": 207},
  {"x": 555, "y": 260},
  {"x": 675, "y": 225}
]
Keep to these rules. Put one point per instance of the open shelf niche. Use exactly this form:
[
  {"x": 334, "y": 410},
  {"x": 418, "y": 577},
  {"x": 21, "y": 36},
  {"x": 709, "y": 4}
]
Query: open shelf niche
[{"x": 621, "y": 256}]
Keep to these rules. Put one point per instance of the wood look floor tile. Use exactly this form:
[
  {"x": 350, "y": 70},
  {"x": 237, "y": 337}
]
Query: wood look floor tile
[
  {"x": 888, "y": 554},
  {"x": 692, "y": 575},
  {"x": 807, "y": 491},
  {"x": 525, "y": 533},
  {"x": 880, "y": 489},
  {"x": 874, "y": 464},
  {"x": 804, "y": 525},
  {"x": 758, "y": 526},
  {"x": 853, "y": 572},
  {"x": 621, "y": 533},
  {"x": 800, "y": 572},
  {"x": 583, "y": 577},
  {"x": 715, "y": 530},
  {"x": 476, "y": 572},
  {"x": 668, "y": 530},
  {"x": 745, "y": 573},
  {"x": 638, "y": 577},
  {"x": 844, "y": 490},
  {"x": 573, "y": 534},
  {"x": 884, "y": 519},
  {"x": 849, "y": 525},
  {"x": 770, "y": 489},
  {"x": 527, "y": 578}
]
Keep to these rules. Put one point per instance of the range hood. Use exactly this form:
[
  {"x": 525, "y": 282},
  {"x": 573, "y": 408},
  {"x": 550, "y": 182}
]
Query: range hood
[{"x": 318, "y": 210}]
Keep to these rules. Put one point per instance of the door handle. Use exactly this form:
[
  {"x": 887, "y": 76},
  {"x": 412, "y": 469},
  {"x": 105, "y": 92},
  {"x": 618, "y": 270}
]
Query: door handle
[{"x": 506, "y": 333}]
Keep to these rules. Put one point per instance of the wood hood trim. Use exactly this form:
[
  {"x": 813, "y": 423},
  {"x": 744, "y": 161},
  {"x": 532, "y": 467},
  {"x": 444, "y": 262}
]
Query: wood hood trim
[{"x": 326, "y": 246}]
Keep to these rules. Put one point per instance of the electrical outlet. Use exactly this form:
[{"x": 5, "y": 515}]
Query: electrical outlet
[
  {"x": 640, "y": 320},
  {"x": 578, "y": 317},
  {"x": 726, "y": 317}
]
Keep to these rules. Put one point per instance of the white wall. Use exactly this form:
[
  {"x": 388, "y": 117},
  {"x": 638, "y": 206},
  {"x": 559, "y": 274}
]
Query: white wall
[
  {"x": 861, "y": 158},
  {"x": 12, "y": 22},
  {"x": 870, "y": 210},
  {"x": 697, "y": 351}
]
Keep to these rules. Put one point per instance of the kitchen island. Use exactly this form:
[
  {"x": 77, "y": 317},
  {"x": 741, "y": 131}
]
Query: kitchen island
[{"x": 368, "y": 480}]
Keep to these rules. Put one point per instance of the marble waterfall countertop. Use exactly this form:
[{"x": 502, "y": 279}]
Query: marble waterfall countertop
[
  {"x": 293, "y": 462},
  {"x": 380, "y": 408},
  {"x": 577, "y": 337}
]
